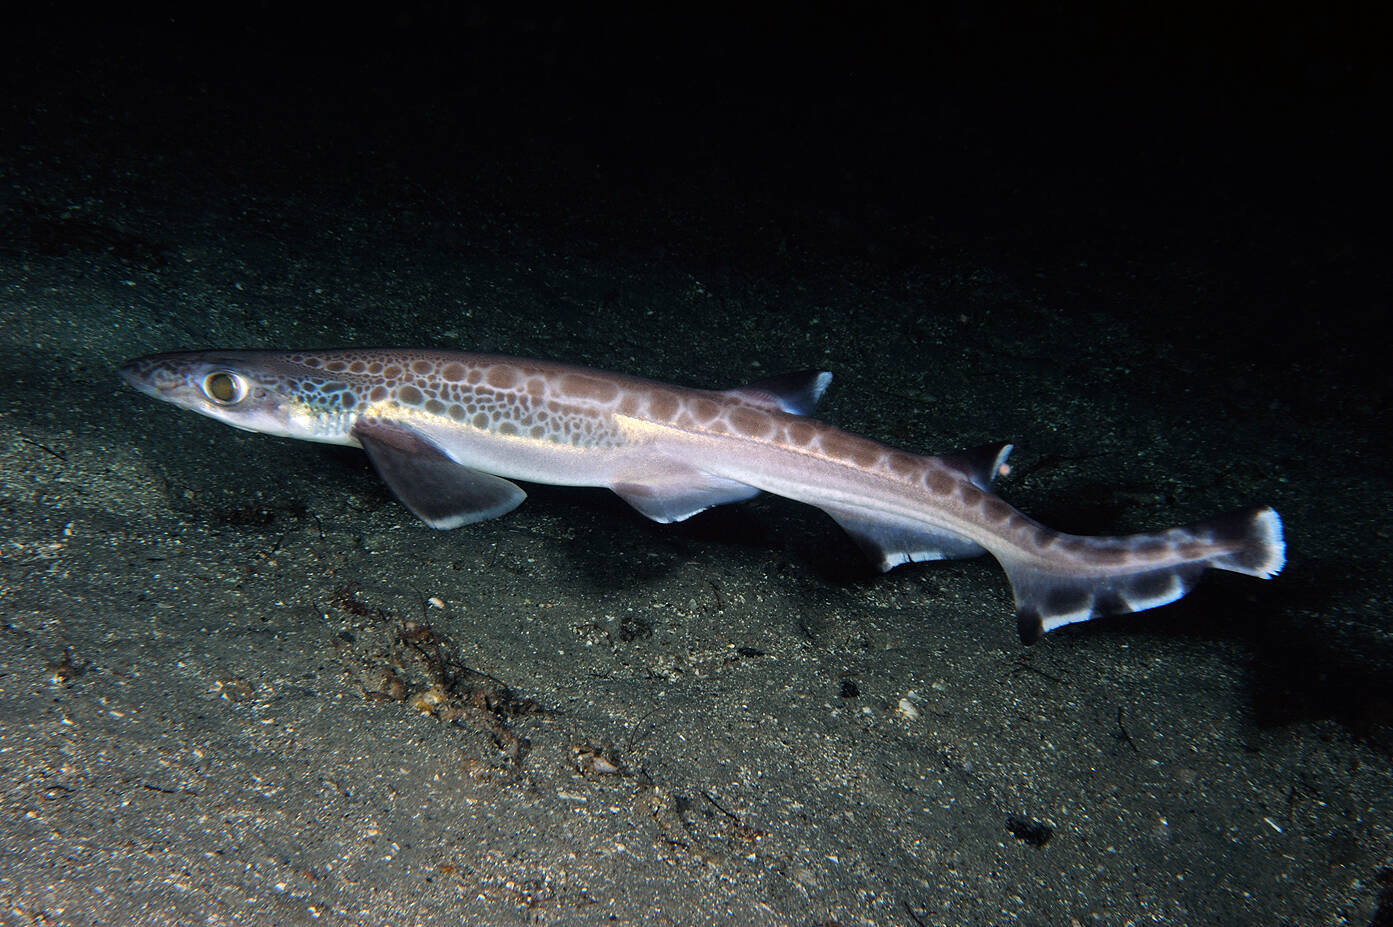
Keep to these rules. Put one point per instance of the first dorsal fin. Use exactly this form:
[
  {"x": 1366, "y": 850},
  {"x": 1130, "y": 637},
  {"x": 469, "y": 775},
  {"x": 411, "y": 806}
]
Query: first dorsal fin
[{"x": 796, "y": 393}]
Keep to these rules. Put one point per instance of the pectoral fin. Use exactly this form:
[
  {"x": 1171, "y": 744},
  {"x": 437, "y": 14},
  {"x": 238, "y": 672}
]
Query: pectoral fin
[{"x": 442, "y": 493}]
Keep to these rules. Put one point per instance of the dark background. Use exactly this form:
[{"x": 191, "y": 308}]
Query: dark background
[
  {"x": 1151, "y": 244},
  {"x": 1242, "y": 136}
]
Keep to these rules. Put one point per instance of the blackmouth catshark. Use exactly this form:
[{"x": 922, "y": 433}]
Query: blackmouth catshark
[{"x": 448, "y": 431}]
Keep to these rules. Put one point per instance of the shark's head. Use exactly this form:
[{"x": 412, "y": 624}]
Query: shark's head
[{"x": 253, "y": 390}]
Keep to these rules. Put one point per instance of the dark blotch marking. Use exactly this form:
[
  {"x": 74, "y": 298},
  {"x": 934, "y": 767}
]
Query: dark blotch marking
[
  {"x": 997, "y": 509},
  {"x": 1065, "y": 600},
  {"x": 1150, "y": 585},
  {"x": 1109, "y": 602},
  {"x": 837, "y": 445},
  {"x": 939, "y": 482},
  {"x": 705, "y": 410},
  {"x": 1194, "y": 550},
  {"x": 749, "y": 422},
  {"x": 662, "y": 405},
  {"x": 1150, "y": 548},
  {"x": 800, "y": 433},
  {"x": 903, "y": 465},
  {"x": 502, "y": 377},
  {"x": 1098, "y": 553},
  {"x": 581, "y": 386}
]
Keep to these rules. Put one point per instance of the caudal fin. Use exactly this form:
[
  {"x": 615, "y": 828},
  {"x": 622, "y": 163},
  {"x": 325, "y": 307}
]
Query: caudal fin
[{"x": 1093, "y": 577}]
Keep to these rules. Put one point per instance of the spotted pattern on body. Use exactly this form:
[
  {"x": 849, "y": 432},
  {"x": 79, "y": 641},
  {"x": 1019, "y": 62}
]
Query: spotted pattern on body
[
  {"x": 537, "y": 402},
  {"x": 448, "y": 429}
]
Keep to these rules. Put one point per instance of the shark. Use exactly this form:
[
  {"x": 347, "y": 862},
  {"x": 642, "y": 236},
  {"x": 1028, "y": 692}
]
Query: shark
[{"x": 450, "y": 432}]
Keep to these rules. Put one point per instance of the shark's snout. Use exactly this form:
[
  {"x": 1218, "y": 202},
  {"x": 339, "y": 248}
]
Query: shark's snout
[
  {"x": 141, "y": 374},
  {"x": 133, "y": 372}
]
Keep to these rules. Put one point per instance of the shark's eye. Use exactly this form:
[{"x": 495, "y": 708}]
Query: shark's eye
[{"x": 225, "y": 388}]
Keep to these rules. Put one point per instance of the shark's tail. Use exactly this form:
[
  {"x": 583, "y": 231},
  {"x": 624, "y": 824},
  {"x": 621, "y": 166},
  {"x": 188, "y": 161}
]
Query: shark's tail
[{"x": 1114, "y": 575}]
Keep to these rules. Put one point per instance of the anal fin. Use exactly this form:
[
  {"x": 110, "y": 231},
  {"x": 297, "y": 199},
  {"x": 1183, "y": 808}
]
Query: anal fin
[
  {"x": 889, "y": 544},
  {"x": 441, "y": 492}
]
